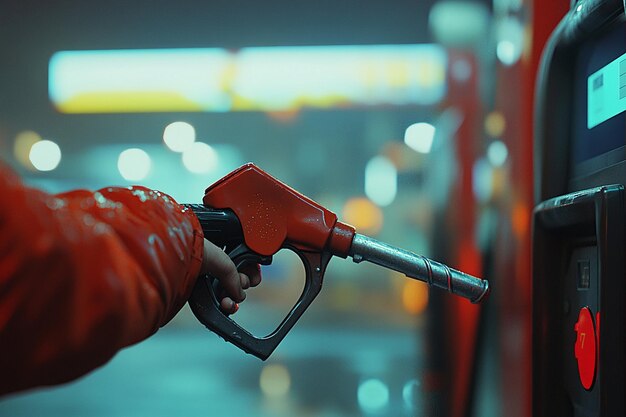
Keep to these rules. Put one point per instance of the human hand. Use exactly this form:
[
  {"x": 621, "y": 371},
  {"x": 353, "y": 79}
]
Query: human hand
[{"x": 215, "y": 262}]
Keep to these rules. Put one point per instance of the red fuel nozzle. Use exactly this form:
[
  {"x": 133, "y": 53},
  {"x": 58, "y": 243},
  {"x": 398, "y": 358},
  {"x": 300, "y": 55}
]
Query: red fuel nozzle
[
  {"x": 273, "y": 214},
  {"x": 253, "y": 216}
]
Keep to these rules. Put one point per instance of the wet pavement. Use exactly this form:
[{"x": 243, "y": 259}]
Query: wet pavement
[{"x": 329, "y": 371}]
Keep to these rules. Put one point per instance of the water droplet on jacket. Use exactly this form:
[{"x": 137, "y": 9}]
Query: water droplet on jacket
[
  {"x": 89, "y": 220},
  {"x": 87, "y": 203},
  {"x": 55, "y": 203},
  {"x": 101, "y": 228},
  {"x": 100, "y": 199},
  {"x": 141, "y": 194}
]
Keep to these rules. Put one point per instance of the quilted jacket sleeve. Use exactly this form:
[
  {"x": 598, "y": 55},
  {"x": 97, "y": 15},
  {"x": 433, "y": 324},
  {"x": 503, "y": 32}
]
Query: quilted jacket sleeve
[{"x": 84, "y": 274}]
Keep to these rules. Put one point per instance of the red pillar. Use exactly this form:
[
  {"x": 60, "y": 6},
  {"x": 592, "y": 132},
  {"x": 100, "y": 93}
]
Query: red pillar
[{"x": 515, "y": 100}]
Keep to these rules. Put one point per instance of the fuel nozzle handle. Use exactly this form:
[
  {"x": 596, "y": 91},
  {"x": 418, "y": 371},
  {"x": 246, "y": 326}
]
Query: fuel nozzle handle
[{"x": 418, "y": 267}]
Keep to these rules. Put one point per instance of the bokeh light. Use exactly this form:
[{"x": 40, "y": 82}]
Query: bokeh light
[
  {"x": 381, "y": 181},
  {"x": 482, "y": 179},
  {"x": 497, "y": 153},
  {"x": 461, "y": 70},
  {"x": 412, "y": 394},
  {"x": 420, "y": 136},
  {"x": 179, "y": 136},
  {"x": 200, "y": 158},
  {"x": 373, "y": 395},
  {"x": 134, "y": 164},
  {"x": 275, "y": 380},
  {"x": 506, "y": 52},
  {"x": 458, "y": 23},
  {"x": 510, "y": 44},
  {"x": 414, "y": 296},
  {"x": 45, "y": 155},
  {"x": 520, "y": 218},
  {"x": 24, "y": 141},
  {"x": 495, "y": 124},
  {"x": 364, "y": 215}
]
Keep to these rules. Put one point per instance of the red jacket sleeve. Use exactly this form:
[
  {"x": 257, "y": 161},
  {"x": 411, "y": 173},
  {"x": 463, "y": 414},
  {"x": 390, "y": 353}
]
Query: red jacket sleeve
[{"x": 84, "y": 274}]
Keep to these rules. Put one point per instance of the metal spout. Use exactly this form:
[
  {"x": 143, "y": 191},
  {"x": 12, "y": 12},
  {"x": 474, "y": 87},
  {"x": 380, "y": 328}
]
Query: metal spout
[{"x": 418, "y": 267}]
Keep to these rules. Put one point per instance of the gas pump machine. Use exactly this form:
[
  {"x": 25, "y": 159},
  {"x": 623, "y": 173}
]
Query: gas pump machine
[{"x": 579, "y": 247}]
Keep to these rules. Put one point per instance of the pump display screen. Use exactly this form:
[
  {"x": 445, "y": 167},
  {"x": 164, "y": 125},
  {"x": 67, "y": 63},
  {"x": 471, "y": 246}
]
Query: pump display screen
[
  {"x": 606, "y": 92},
  {"x": 599, "y": 104}
]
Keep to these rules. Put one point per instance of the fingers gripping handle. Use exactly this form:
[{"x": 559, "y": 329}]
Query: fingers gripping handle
[
  {"x": 419, "y": 267},
  {"x": 206, "y": 308}
]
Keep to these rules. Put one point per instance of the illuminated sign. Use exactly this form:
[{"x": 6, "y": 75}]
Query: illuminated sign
[{"x": 259, "y": 78}]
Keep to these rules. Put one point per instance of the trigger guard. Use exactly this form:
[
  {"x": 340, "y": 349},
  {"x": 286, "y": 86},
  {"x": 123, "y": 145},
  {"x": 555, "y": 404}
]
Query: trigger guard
[
  {"x": 205, "y": 305},
  {"x": 242, "y": 255}
]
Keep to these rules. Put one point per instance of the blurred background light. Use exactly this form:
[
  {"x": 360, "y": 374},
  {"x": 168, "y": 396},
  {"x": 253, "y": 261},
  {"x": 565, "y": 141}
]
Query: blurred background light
[
  {"x": 510, "y": 40},
  {"x": 495, "y": 124},
  {"x": 507, "y": 6},
  {"x": 506, "y": 52},
  {"x": 134, "y": 164},
  {"x": 45, "y": 155},
  {"x": 364, "y": 215},
  {"x": 420, "y": 136},
  {"x": 459, "y": 23},
  {"x": 24, "y": 141},
  {"x": 275, "y": 380},
  {"x": 98, "y": 167},
  {"x": 381, "y": 181},
  {"x": 414, "y": 296},
  {"x": 200, "y": 158},
  {"x": 412, "y": 394},
  {"x": 292, "y": 77},
  {"x": 138, "y": 80},
  {"x": 520, "y": 219},
  {"x": 179, "y": 136},
  {"x": 482, "y": 180},
  {"x": 259, "y": 78},
  {"x": 461, "y": 70},
  {"x": 497, "y": 153},
  {"x": 373, "y": 395}
]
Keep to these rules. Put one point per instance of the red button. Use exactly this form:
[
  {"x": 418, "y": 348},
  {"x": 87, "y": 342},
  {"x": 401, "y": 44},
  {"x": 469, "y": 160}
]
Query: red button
[{"x": 585, "y": 347}]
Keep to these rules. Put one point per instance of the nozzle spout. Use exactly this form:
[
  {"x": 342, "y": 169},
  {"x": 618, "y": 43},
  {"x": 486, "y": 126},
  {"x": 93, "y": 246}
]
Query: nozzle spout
[{"x": 418, "y": 267}]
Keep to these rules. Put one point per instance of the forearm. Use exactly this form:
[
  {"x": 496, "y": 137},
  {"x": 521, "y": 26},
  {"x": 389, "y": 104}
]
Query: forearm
[{"x": 84, "y": 274}]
